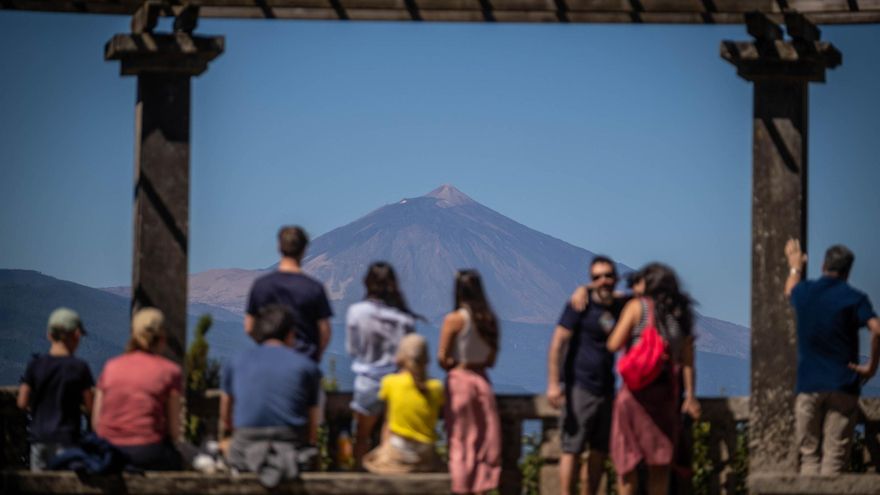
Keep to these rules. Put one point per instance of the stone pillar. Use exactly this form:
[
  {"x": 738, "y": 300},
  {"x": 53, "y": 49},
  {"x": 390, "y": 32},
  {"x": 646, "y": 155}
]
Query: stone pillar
[
  {"x": 163, "y": 64},
  {"x": 779, "y": 211},
  {"x": 780, "y": 71}
]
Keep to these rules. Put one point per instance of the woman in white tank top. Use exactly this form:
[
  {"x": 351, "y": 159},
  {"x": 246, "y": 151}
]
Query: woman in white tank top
[{"x": 468, "y": 346}]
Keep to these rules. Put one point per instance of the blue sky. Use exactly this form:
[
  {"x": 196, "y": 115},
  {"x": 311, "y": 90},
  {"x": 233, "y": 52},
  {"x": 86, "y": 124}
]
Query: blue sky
[{"x": 628, "y": 140}]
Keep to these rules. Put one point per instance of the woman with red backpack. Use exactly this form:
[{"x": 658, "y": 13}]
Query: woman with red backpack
[{"x": 655, "y": 331}]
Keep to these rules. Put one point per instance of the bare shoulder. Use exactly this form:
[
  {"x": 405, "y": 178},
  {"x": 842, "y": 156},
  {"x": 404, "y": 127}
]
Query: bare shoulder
[
  {"x": 633, "y": 308},
  {"x": 454, "y": 320}
]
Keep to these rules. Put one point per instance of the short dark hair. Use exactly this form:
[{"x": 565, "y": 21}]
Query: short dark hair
[
  {"x": 839, "y": 259},
  {"x": 601, "y": 258},
  {"x": 273, "y": 321},
  {"x": 292, "y": 241}
]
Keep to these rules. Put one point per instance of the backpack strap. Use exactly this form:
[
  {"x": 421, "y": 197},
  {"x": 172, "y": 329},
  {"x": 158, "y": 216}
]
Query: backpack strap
[
  {"x": 649, "y": 303},
  {"x": 661, "y": 329}
]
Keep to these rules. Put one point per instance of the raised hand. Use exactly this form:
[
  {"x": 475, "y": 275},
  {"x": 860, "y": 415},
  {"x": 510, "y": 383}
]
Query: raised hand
[
  {"x": 580, "y": 298},
  {"x": 796, "y": 258}
]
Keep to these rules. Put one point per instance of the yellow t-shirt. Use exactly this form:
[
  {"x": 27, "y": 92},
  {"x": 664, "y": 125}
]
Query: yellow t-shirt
[{"x": 411, "y": 414}]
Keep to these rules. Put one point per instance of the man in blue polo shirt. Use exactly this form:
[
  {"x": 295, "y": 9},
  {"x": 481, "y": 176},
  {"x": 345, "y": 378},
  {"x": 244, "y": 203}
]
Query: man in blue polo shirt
[
  {"x": 829, "y": 377},
  {"x": 587, "y": 390},
  {"x": 268, "y": 400}
]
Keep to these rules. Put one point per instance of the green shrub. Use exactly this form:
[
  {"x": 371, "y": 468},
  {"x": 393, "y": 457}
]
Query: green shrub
[
  {"x": 703, "y": 467},
  {"x": 531, "y": 463},
  {"x": 202, "y": 373}
]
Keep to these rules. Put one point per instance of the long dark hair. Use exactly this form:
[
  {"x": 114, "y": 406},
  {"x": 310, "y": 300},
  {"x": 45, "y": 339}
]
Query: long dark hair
[
  {"x": 381, "y": 284},
  {"x": 662, "y": 286},
  {"x": 469, "y": 294}
]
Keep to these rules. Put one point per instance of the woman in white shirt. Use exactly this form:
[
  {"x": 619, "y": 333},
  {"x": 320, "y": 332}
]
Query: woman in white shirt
[{"x": 374, "y": 328}]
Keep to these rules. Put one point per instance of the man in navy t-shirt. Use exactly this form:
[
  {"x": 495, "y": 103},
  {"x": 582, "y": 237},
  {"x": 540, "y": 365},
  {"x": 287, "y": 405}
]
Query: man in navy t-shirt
[
  {"x": 301, "y": 294},
  {"x": 587, "y": 392},
  {"x": 829, "y": 315}
]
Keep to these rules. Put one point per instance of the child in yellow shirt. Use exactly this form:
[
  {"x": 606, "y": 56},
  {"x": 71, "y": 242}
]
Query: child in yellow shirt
[{"x": 413, "y": 404}]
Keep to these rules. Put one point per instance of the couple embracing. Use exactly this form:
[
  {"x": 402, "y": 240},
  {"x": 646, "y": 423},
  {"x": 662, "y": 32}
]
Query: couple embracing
[{"x": 642, "y": 423}]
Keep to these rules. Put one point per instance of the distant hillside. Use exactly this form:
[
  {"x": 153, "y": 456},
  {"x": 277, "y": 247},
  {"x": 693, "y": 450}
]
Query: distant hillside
[
  {"x": 27, "y": 297},
  {"x": 224, "y": 288},
  {"x": 722, "y": 337}
]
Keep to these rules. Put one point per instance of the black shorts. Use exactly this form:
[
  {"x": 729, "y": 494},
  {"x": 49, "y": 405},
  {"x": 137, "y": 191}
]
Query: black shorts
[
  {"x": 162, "y": 456},
  {"x": 586, "y": 420}
]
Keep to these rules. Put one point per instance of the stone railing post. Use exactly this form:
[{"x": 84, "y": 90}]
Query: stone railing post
[
  {"x": 781, "y": 71},
  {"x": 511, "y": 449},
  {"x": 164, "y": 65},
  {"x": 550, "y": 451}
]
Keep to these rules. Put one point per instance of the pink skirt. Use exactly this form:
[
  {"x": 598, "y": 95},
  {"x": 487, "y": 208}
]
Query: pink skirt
[
  {"x": 645, "y": 424},
  {"x": 474, "y": 432}
]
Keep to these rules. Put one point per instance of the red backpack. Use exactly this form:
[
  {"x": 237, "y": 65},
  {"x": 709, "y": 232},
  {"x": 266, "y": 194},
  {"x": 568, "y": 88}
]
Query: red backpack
[{"x": 644, "y": 361}]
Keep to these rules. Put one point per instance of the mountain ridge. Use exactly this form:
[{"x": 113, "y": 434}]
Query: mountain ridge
[
  {"x": 527, "y": 273},
  {"x": 427, "y": 238}
]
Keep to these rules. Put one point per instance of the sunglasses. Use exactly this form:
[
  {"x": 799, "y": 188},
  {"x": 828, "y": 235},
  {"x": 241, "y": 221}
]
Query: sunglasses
[{"x": 608, "y": 275}]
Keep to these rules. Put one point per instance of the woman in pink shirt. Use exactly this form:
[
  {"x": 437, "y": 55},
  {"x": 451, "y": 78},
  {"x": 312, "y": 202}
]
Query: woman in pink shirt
[{"x": 137, "y": 404}]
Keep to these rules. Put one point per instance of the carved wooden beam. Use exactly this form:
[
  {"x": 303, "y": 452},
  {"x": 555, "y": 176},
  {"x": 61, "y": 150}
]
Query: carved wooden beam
[{"x": 576, "y": 11}]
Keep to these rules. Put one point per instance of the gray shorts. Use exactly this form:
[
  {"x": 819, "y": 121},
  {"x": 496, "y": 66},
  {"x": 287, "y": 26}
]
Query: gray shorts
[
  {"x": 585, "y": 420},
  {"x": 42, "y": 453},
  {"x": 365, "y": 396}
]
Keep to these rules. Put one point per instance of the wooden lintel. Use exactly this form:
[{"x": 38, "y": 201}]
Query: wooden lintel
[
  {"x": 186, "y": 66},
  {"x": 788, "y": 71},
  {"x": 818, "y": 53},
  {"x": 186, "y": 18},
  {"x": 581, "y": 11},
  {"x": 762, "y": 28},
  {"x": 178, "y": 52},
  {"x": 800, "y": 28},
  {"x": 145, "y": 18}
]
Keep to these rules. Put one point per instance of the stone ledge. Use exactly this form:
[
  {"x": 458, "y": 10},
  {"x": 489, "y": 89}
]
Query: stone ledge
[
  {"x": 192, "y": 483},
  {"x": 844, "y": 484}
]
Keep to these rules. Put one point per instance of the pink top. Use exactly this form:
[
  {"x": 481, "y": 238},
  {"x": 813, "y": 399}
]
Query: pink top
[{"x": 135, "y": 388}]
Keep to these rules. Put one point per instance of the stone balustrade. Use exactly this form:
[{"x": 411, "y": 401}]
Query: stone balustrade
[{"x": 726, "y": 416}]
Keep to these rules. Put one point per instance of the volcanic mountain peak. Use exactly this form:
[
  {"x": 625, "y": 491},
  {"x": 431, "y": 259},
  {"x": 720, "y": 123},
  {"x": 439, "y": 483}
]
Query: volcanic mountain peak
[{"x": 449, "y": 196}]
